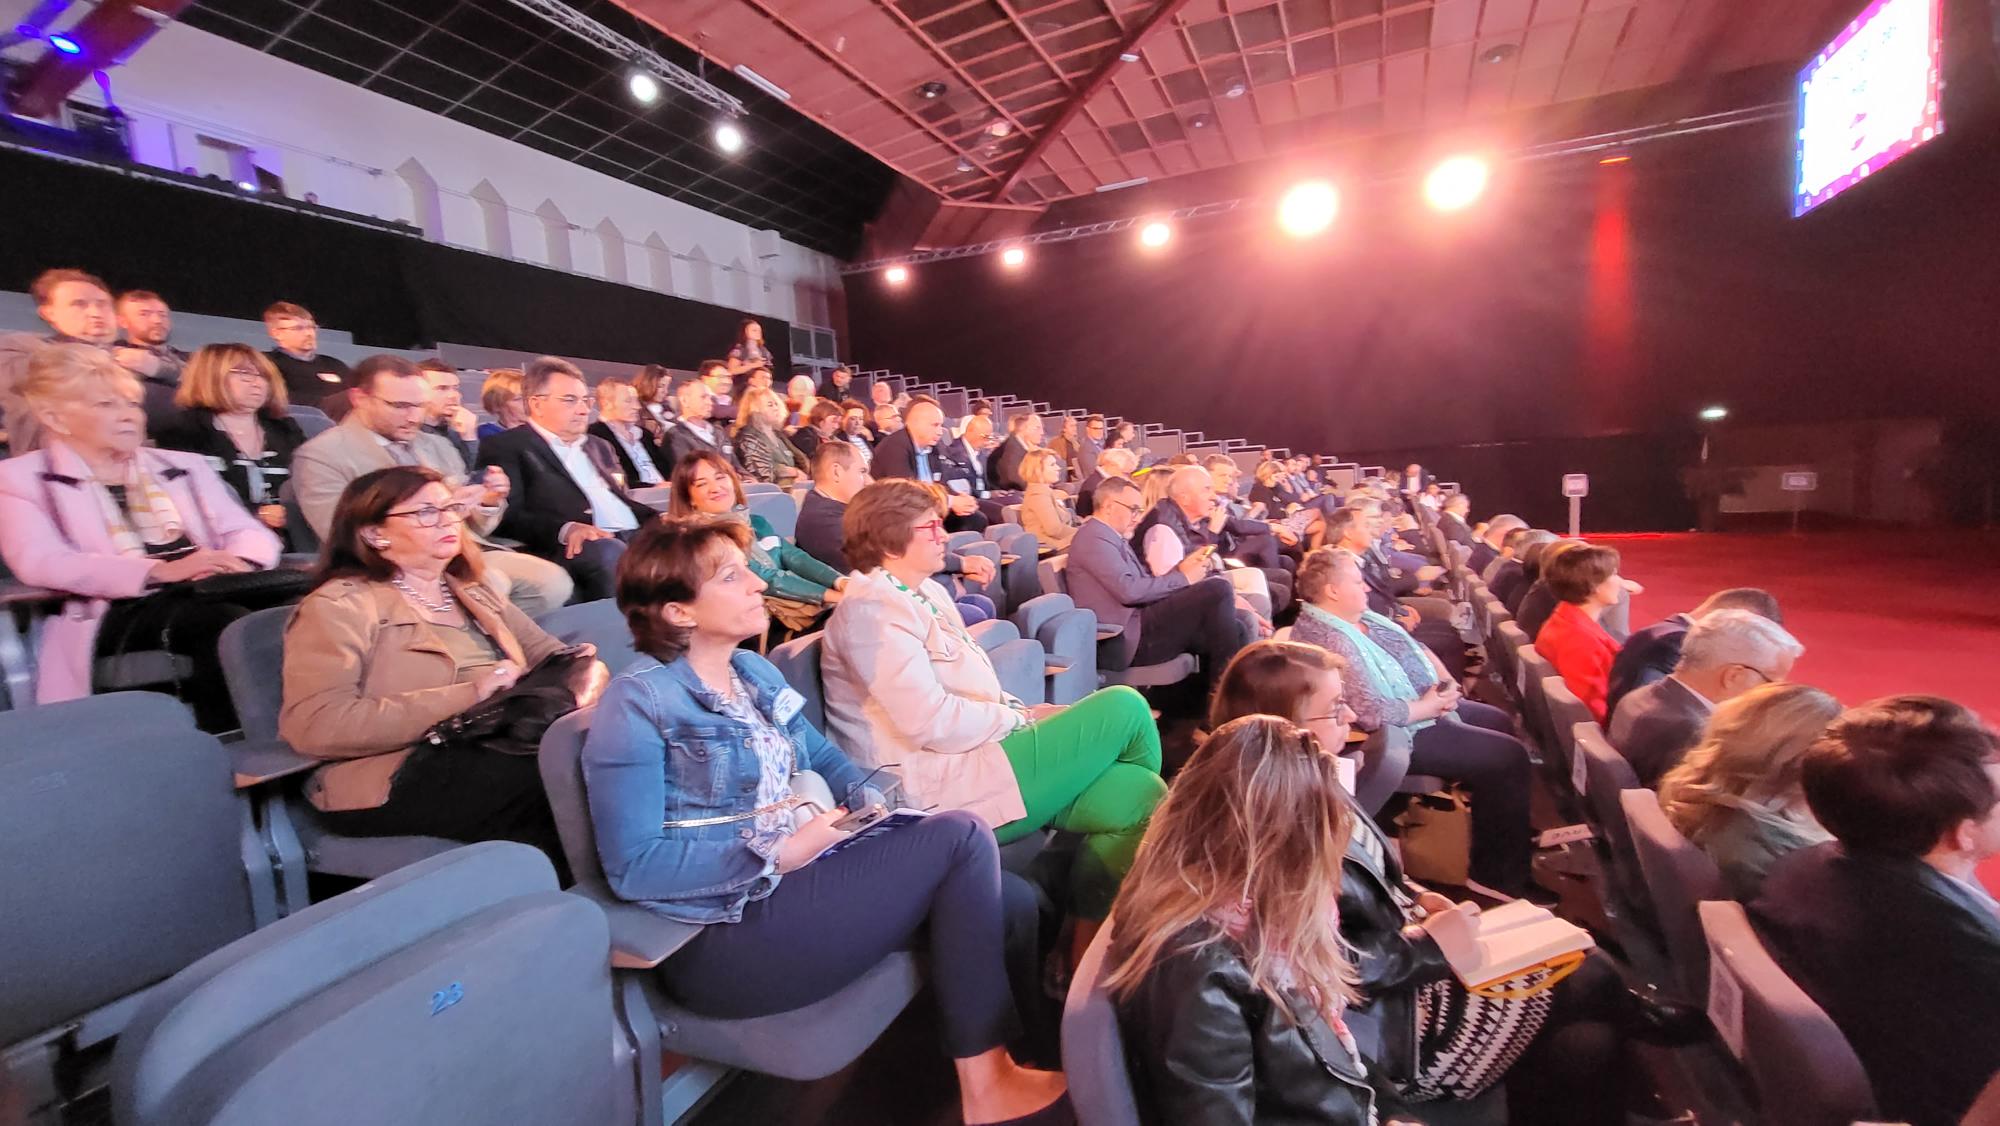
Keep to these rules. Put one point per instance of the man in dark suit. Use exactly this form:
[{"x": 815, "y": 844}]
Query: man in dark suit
[
  {"x": 965, "y": 469},
  {"x": 838, "y": 474},
  {"x": 1451, "y": 522},
  {"x": 1487, "y": 549},
  {"x": 566, "y": 506},
  {"x": 1110, "y": 463},
  {"x": 1411, "y": 483},
  {"x": 821, "y": 424},
  {"x": 913, "y": 452},
  {"x": 1003, "y": 466},
  {"x": 1725, "y": 654},
  {"x": 695, "y": 429},
  {"x": 1651, "y": 653},
  {"x": 1887, "y": 927},
  {"x": 642, "y": 460}
]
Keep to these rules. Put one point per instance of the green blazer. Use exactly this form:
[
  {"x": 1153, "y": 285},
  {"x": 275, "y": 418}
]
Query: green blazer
[{"x": 787, "y": 570}]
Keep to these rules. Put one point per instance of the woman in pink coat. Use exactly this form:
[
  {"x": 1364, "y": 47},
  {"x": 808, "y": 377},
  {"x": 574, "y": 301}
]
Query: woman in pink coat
[{"x": 96, "y": 515}]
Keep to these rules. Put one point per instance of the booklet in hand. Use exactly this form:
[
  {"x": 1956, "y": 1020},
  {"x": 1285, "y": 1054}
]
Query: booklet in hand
[
  {"x": 1513, "y": 938},
  {"x": 895, "y": 820}
]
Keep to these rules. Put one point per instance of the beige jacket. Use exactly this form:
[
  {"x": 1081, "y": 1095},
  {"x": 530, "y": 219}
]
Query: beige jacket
[
  {"x": 365, "y": 677},
  {"x": 1044, "y": 514},
  {"x": 904, "y": 690}
]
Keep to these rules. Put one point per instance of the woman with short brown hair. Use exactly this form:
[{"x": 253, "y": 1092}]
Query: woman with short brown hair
[
  {"x": 232, "y": 412},
  {"x": 1584, "y": 579}
]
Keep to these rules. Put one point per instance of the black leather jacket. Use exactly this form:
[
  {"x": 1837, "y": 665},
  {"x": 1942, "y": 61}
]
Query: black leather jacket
[
  {"x": 1391, "y": 953},
  {"x": 1207, "y": 1048}
]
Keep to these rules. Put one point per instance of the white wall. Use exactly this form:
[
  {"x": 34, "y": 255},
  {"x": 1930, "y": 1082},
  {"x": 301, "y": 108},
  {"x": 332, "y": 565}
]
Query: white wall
[{"x": 363, "y": 152}]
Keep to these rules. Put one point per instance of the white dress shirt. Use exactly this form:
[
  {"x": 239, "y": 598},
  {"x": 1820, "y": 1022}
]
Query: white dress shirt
[
  {"x": 628, "y": 437},
  {"x": 605, "y": 504}
]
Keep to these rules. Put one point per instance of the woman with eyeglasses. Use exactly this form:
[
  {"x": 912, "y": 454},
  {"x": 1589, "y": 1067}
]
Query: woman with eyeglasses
[
  {"x": 232, "y": 412},
  {"x": 908, "y": 686},
  {"x": 800, "y": 586},
  {"x": 399, "y": 635}
]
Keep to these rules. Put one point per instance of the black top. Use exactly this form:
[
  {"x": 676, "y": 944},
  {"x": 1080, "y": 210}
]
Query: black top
[
  {"x": 309, "y": 381},
  {"x": 1646, "y": 656},
  {"x": 819, "y": 534},
  {"x": 195, "y": 432}
]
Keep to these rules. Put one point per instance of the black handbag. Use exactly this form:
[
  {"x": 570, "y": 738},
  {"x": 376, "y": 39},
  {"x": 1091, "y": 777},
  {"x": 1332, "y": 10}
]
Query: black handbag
[{"x": 513, "y": 722}]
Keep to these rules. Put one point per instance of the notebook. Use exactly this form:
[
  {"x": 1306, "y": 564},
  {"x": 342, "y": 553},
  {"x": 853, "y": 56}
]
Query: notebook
[{"x": 1514, "y": 937}]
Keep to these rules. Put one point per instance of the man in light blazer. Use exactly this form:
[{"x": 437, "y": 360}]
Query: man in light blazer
[{"x": 385, "y": 428}]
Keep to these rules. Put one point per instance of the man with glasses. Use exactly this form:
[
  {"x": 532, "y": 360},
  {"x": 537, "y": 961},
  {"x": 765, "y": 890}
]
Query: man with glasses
[
  {"x": 1185, "y": 610},
  {"x": 1726, "y": 653},
  {"x": 309, "y": 376},
  {"x": 569, "y": 506},
  {"x": 385, "y": 427}
]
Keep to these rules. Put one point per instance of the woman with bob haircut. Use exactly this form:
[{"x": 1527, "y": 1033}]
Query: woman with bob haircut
[
  {"x": 1584, "y": 579},
  {"x": 799, "y": 587},
  {"x": 689, "y": 768},
  {"x": 232, "y": 412}
]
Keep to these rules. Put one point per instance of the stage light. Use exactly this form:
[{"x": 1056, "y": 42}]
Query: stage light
[
  {"x": 1308, "y": 208},
  {"x": 65, "y": 44},
  {"x": 1155, "y": 235},
  {"x": 1616, "y": 158},
  {"x": 246, "y": 185},
  {"x": 729, "y": 137},
  {"x": 1013, "y": 258},
  {"x": 1714, "y": 414},
  {"x": 896, "y": 275},
  {"x": 645, "y": 88},
  {"x": 1457, "y": 183}
]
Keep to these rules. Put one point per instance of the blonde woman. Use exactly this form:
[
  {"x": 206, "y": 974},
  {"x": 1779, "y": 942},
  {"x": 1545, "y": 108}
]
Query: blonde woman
[
  {"x": 1738, "y": 794},
  {"x": 766, "y": 453},
  {"x": 1043, "y": 512},
  {"x": 500, "y": 396}
]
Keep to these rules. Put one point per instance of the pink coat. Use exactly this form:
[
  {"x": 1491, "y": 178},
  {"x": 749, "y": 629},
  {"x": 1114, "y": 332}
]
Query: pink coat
[{"x": 52, "y": 535}]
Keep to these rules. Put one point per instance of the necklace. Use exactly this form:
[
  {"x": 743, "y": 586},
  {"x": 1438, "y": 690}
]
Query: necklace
[{"x": 447, "y": 601}]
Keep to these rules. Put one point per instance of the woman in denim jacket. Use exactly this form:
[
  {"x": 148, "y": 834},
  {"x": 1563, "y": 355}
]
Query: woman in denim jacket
[{"x": 688, "y": 771}]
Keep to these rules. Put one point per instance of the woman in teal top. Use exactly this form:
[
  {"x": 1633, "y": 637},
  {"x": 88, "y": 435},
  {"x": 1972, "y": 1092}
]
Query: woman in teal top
[{"x": 800, "y": 587}]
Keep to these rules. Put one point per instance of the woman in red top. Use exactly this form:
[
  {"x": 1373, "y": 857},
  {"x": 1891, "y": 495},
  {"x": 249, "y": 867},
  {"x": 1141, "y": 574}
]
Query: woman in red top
[{"x": 1585, "y": 579}]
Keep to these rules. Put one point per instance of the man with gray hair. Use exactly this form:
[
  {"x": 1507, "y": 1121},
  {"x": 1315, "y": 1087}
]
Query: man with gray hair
[
  {"x": 1726, "y": 653},
  {"x": 1120, "y": 462},
  {"x": 1651, "y": 653},
  {"x": 1492, "y": 543}
]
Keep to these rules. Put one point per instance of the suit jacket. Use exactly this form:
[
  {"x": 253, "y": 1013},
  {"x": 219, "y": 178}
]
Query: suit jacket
[
  {"x": 1657, "y": 726},
  {"x": 896, "y": 456},
  {"x": 965, "y": 464},
  {"x": 1508, "y": 584},
  {"x": 468, "y": 452},
  {"x": 1106, "y": 577},
  {"x": 1538, "y": 604},
  {"x": 52, "y": 535},
  {"x": 1044, "y": 514},
  {"x": 1455, "y": 530},
  {"x": 807, "y": 440},
  {"x": 1581, "y": 650},
  {"x": 194, "y": 431},
  {"x": 1086, "y": 501},
  {"x": 819, "y": 533},
  {"x": 903, "y": 687},
  {"x": 1907, "y": 963},
  {"x": 1648, "y": 656},
  {"x": 656, "y": 452},
  {"x": 681, "y": 441},
  {"x": 1482, "y": 557},
  {"x": 545, "y": 497},
  {"x": 1003, "y": 466},
  {"x": 323, "y": 467}
]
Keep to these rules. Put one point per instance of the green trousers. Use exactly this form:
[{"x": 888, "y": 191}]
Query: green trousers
[{"x": 1093, "y": 768}]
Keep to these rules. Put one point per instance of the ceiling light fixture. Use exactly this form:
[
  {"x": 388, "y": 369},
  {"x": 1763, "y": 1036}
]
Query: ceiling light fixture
[
  {"x": 1616, "y": 158},
  {"x": 1236, "y": 88},
  {"x": 729, "y": 137},
  {"x": 1128, "y": 56},
  {"x": 65, "y": 44},
  {"x": 1200, "y": 121},
  {"x": 645, "y": 88},
  {"x": 932, "y": 90},
  {"x": 999, "y": 129},
  {"x": 896, "y": 275},
  {"x": 1132, "y": 183},
  {"x": 1456, "y": 183},
  {"x": 1155, "y": 235},
  {"x": 763, "y": 83},
  {"x": 1500, "y": 52},
  {"x": 964, "y": 164},
  {"x": 1013, "y": 258},
  {"x": 1308, "y": 208}
]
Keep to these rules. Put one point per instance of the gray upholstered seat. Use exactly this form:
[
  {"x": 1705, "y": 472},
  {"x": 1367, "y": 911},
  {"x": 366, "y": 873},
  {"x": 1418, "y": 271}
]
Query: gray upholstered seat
[
  {"x": 1678, "y": 875},
  {"x": 303, "y": 538},
  {"x": 462, "y": 989},
  {"x": 1051, "y": 573},
  {"x": 312, "y": 420},
  {"x": 1804, "y": 1070},
  {"x": 1069, "y": 637},
  {"x": 599, "y": 623},
  {"x": 1608, "y": 775},
  {"x": 1020, "y": 661},
  {"x": 1565, "y": 714},
  {"x": 1093, "y": 1049},
  {"x": 780, "y": 510}
]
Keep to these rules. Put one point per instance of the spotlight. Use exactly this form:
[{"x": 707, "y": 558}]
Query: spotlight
[
  {"x": 1128, "y": 56},
  {"x": 729, "y": 137},
  {"x": 65, "y": 44},
  {"x": 645, "y": 88},
  {"x": 932, "y": 89},
  {"x": 1155, "y": 235},
  {"x": 1616, "y": 158},
  {"x": 1308, "y": 208},
  {"x": 246, "y": 185},
  {"x": 1013, "y": 258},
  {"x": 896, "y": 275},
  {"x": 999, "y": 129},
  {"x": 1714, "y": 414},
  {"x": 1456, "y": 183}
]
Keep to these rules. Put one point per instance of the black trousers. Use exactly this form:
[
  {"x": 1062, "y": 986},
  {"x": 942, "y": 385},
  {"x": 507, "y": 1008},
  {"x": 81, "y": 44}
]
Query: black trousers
[
  {"x": 462, "y": 795},
  {"x": 1480, "y": 752},
  {"x": 1200, "y": 619},
  {"x": 594, "y": 568},
  {"x": 188, "y": 628}
]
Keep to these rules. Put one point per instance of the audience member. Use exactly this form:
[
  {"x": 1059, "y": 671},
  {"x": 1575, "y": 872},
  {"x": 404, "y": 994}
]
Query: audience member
[
  {"x": 1266, "y": 541},
  {"x": 722, "y": 840},
  {"x": 1353, "y": 528},
  {"x": 1651, "y": 653},
  {"x": 800, "y": 586},
  {"x": 1161, "y": 617},
  {"x": 1887, "y": 928},
  {"x": 1121, "y": 463},
  {"x": 965, "y": 472},
  {"x": 838, "y": 382},
  {"x": 444, "y": 411},
  {"x": 145, "y": 325},
  {"x": 1003, "y": 465},
  {"x": 1393, "y": 680},
  {"x": 1452, "y": 513},
  {"x": 906, "y": 684},
  {"x": 126, "y": 530},
  {"x": 364, "y": 680},
  {"x": 1044, "y": 511},
  {"x": 78, "y": 310},
  {"x": 757, "y": 379},
  {"x": 821, "y": 425},
  {"x": 1738, "y": 795},
  {"x": 1489, "y": 543},
  {"x": 749, "y": 352},
  {"x": 1724, "y": 655},
  {"x": 309, "y": 377},
  {"x": 838, "y": 474},
  {"x": 1066, "y": 447},
  {"x": 767, "y": 455},
  {"x": 642, "y": 458},
  {"x": 567, "y": 506},
  {"x": 716, "y": 376},
  {"x": 500, "y": 396},
  {"x": 1089, "y": 446},
  {"x": 232, "y": 412},
  {"x": 1188, "y": 521},
  {"x": 391, "y": 399},
  {"x": 854, "y": 428},
  {"x": 1538, "y": 601},
  {"x": 801, "y": 395},
  {"x": 914, "y": 452},
  {"x": 654, "y": 384},
  {"x": 1585, "y": 581},
  {"x": 1509, "y": 578},
  {"x": 888, "y": 419},
  {"x": 697, "y": 428},
  {"x": 1413, "y": 480}
]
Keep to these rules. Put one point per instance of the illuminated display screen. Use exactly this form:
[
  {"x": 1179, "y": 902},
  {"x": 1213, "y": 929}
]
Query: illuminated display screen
[{"x": 1869, "y": 97}]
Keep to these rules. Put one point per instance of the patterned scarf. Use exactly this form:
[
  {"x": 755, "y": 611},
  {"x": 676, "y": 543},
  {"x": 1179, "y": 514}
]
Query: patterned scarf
[
  {"x": 1382, "y": 668},
  {"x": 149, "y": 518}
]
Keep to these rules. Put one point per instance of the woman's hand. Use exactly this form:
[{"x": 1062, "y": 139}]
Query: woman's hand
[
  {"x": 272, "y": 515},
  {"x": 1456, "y": 931},
  {"x": 196, "y": 565},
  {"x": 1434, "y": 904},
  {"x": 815, "y": 837},
  {"x": 1038, "y": 712},
  {"x": 497, "y": 679},
  {"x": 833, "y": 596},
  {"x": 1436, "y": 700}
]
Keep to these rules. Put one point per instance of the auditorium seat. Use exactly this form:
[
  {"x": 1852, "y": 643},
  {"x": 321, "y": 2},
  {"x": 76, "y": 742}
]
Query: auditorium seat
[
  {"x": 1678, "y": 876},
  {"x": 126, "y": 860},
  {"x": 1533, "y": 671},
  {"x": 300, "y": 534},
  {"x": 656, "y": 497},
  {"x": 1607, "y": 776},
  {"x": 1069, "y": 638},
  {"x": 1804, "y": 1071},
  {"x": 598, "y": 623},
  {"x": 1566, "y": 713},
  {"x": 1093, "y": 1049},
  {"x": 312, "y": 420},
  {"x": 252, "y": 650},
  {"x": 463, "y": 989},
  {"x": 1050, "y": 571},
  {"x": 1020, "y": 661},
  {"x": 777, "y": 508}
]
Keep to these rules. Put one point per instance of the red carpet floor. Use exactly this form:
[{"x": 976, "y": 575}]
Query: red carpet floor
[{"x": 1879, "y": 612}]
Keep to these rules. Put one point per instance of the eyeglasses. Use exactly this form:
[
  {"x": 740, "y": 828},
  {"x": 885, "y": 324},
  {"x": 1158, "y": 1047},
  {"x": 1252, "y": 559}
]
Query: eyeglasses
[
  {"x": 396, "y": 406},
  {"x": 246, "y": 373},
  {"x": 429, "y": 515},
  {"x": 932, "y": 528},
  {"x": 564, "y": 400},
  {"x": 1761, "y": 674}
]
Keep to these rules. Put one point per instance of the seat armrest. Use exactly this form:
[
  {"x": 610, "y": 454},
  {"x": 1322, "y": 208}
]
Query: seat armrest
[
  {"x": 257, "y": 762},
  {"x": 1108, "y": 630},
  {"x": 1055, "y": 664},
  {"x": 640, "y": 940}
]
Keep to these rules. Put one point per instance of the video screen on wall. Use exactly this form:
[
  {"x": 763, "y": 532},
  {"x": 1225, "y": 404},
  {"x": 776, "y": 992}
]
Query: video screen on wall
[{"x": 1868, "y": 97}]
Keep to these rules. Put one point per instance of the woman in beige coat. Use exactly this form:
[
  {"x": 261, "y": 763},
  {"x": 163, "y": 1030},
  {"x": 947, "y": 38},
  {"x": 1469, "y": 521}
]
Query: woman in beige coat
[{"x": 1043, "y": 512}]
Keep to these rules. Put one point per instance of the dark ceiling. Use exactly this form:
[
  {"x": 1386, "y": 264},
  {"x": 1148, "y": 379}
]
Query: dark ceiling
[{"x": 498, "y": 68}]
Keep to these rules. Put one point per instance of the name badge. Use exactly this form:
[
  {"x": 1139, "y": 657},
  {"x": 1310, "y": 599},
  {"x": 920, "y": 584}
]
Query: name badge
[
  {"x": 769, "y": 543},
  {"x": 786, "y": 706},
  {"x": 330, "y": 376}
]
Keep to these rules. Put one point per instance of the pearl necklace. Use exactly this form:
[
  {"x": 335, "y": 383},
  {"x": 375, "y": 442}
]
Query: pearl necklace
[{"x": 448, "y": 603}]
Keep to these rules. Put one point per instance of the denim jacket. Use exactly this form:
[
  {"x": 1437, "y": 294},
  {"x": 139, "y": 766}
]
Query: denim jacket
[{"x": 661, "y": 749}]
